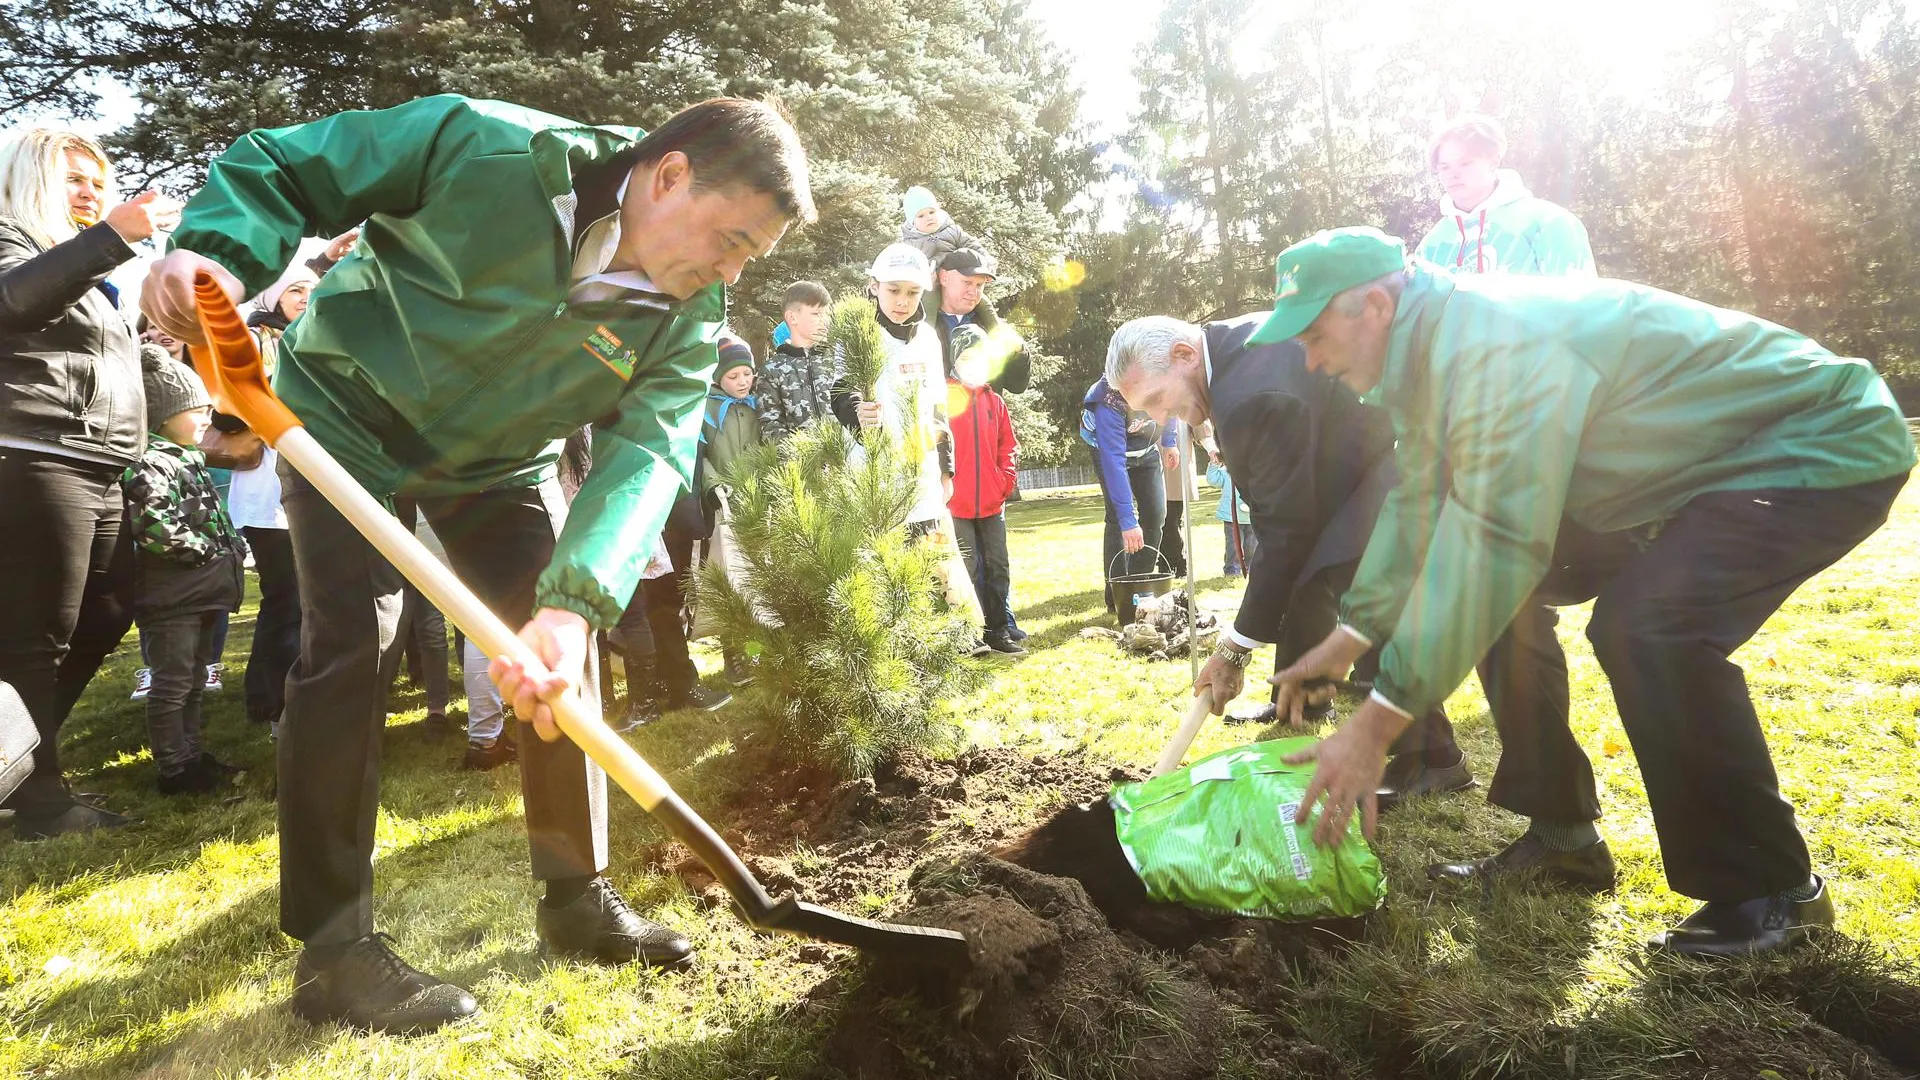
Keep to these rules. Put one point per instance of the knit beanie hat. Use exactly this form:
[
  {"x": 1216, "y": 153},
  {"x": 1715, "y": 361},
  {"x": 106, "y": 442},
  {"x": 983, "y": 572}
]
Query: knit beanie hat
[
  {"x": 918, "y": 199},
  {"x": 733, "y": 353},
  {"x": 172, "y": 387}
]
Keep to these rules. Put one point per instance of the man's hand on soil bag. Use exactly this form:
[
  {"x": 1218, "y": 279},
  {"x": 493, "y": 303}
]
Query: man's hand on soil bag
[
  {"x": 167, "y": 294},
  {"x": 1329, "y": 660},
  {"x": 1223, "y": 679},
  {"x": 1347, "y": 770},
  {"x": 560, "y": 639}
]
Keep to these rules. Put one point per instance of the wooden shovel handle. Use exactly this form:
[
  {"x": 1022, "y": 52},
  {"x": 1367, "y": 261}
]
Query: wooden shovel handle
[{"x": 1183, "y": 736}]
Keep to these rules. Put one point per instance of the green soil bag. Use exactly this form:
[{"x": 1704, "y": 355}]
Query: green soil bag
[{"x": 1218, "y": 835}]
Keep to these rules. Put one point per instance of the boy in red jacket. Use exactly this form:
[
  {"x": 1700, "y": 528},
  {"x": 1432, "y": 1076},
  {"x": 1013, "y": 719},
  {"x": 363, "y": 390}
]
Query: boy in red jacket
[{"x": 983, "y": 477}]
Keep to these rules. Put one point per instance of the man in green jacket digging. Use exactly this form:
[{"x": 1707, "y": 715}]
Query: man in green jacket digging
[
  {"x": 518, "y": 275},
  {"x": 1561, "y": 440}
]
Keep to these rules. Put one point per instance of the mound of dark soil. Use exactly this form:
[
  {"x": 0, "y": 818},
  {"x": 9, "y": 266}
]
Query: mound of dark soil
[{"x": 1054, "y": 991}]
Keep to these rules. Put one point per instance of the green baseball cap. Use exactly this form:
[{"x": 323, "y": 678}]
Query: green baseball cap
[{"x": 1309, "y": 273}]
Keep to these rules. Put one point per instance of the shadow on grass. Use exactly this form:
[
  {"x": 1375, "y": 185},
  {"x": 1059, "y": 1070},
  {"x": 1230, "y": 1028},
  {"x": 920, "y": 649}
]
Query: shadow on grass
[{"x": 242, "y": 943}]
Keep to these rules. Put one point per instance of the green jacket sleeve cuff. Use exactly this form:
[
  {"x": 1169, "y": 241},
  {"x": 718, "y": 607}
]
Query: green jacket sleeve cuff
[{"x": 611, "y": 531}]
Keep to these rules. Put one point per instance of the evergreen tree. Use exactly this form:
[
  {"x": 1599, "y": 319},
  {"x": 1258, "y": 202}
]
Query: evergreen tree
[{"x": 857, "y": 652}]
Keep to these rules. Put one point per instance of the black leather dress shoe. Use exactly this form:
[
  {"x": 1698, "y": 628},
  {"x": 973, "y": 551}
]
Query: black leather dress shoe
[
  {"x": 598, "y": 925},
  {"x": 1408, "y": 776},
  {"x": 1768, "y": 924},
  {"x": 366, "y": 986},
  {"x": 1589, "y": 868},
  {"x": 80, "y": 817}
]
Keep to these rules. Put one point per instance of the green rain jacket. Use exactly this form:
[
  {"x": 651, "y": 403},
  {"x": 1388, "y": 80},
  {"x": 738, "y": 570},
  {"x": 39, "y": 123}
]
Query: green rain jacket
[
  {"x": 1517, "y": 400},
  {"x": 442, "y": 355}
]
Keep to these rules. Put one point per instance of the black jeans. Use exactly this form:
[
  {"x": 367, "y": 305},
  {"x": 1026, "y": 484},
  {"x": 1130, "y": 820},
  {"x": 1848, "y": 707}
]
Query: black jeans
[
  {"x": 1173, "y": 536},
  {"x": 653, "y": 626},
  {"x": 330, "y": 736},
  {"x": 66, "y": 576},
  {"x": 1149, "y": 491},
  {"x": 1312, "y": 613},
  {"x": 983, "y": 542},
  {"x": 179, "y": 648},
  {"x": 1669, "y": 611},
  {"x": 276, "y": 631}
]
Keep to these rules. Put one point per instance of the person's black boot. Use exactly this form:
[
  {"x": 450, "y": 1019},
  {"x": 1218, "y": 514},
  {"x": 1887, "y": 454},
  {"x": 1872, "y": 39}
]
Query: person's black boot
[
  {"x": 1589, "y": 868},
  {"x": 501, "y": 751},
  {"x": 365, "y": 985},
  {"x": 198, "y": 778},
  {"x": 1767, "y": 924},
  {"x": 598, "y": 925},
  {"x": 642, "y": 710}
]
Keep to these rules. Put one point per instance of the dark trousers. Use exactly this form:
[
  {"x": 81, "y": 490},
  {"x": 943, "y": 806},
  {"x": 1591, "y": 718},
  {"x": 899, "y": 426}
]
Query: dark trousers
[
  {"x": 66, "y": 575},
  {"x": 1669, "y": 612},
  {"x": 1149, "y": 490},
  {"x": 1312, "y": 613},
  {"x": 330, "y": 735},
  {"x": 276, "y": 631},
  {"x": 983, "y": 542},
  {"x": 1173, "y": 537},
  {"x": 653, "y": 626},
  {"x": 179, "y": 648}
]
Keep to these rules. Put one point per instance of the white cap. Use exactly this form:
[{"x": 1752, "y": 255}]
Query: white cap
[{"x": 902, "y": 262}]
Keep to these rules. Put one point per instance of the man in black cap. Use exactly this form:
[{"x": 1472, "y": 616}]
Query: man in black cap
[{"x": 959, "y": 296}]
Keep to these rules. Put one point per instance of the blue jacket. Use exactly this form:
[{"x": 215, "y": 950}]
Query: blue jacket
[{"x": 1121, "y": 440}]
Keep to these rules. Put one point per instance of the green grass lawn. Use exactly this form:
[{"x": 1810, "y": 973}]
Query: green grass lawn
[{"x": 152, "y": 951}]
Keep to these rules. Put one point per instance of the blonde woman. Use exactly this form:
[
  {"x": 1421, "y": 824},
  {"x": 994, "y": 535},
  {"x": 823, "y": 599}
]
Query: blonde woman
[{"x": 72, "y": 418}]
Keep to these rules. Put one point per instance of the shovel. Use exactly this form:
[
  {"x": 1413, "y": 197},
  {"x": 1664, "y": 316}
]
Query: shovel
[{"x": 230, "y": 366}]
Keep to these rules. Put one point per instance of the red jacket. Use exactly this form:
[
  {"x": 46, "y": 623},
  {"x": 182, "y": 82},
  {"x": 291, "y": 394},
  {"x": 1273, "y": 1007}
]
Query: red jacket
[{"x": 983, "y": 446}]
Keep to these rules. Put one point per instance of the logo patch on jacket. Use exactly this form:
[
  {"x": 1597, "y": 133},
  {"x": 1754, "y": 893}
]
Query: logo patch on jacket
[{"x": 605, "y": 346}]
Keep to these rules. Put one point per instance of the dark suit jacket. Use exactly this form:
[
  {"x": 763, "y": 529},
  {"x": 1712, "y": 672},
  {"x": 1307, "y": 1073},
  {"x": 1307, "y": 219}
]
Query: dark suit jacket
[{"x": 1312, "y": 463}]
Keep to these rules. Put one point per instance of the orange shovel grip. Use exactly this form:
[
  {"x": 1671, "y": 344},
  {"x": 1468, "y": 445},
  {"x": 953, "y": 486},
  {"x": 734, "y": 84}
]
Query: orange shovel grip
[{"x": 229, "y": 363}]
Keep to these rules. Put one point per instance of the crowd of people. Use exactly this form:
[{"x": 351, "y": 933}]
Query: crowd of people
[{"x": 557, "y": 403}]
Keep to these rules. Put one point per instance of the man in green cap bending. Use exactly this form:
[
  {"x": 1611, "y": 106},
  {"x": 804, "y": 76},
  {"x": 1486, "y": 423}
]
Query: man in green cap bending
[{"x": 1564, "y": 440}]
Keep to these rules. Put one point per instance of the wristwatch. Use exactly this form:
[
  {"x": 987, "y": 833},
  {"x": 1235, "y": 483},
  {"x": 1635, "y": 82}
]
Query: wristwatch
[{"x": 1231, "y": 656}]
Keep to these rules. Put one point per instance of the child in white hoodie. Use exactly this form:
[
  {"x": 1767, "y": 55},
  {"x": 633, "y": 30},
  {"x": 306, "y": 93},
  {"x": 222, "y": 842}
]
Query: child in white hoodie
[{"x": 912, "y": 378}]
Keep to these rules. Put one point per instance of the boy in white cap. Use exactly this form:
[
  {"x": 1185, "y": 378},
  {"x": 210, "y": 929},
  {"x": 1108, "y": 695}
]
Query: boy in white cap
[
  {"x": 913, "y": 380},
  {"x": 930, "y": 230}
]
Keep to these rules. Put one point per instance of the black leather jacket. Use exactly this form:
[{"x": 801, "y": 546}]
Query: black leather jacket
[{"x": 69, "y": 365}]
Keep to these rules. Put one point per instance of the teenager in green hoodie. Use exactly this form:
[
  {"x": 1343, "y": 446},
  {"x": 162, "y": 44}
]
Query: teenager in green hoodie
[
  {"x": 1685, "y": 466},
  {"x": 1489, "y": 221},
  {"x": 518, "y": 275}
]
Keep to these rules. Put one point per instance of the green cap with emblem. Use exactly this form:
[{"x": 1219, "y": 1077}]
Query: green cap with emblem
[{"x": 1311, "y": 272}]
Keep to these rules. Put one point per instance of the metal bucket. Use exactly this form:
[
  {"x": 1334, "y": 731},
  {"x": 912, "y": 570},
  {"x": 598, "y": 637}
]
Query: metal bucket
[{"x": 1130, "y": 589}]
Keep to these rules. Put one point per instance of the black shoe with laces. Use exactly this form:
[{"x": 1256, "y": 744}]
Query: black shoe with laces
[
  {"x": 1589, "y": 869},
  {"x": 198, "y": 778},
  {"x": 1767, "y": 924},
  {"x": 599, "y": 926},
  {"x": 1409, "y": 776},
  {"x": 367, "y": 986},
  {"x": 479, "y": 758},
  {"x": 1004, "y": 645}
]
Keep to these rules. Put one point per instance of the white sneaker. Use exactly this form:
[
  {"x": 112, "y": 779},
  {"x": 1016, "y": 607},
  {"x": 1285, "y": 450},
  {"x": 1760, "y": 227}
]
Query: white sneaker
[
  {"x": 213, "y": 678},
  {"x": 142, "y": 683}
]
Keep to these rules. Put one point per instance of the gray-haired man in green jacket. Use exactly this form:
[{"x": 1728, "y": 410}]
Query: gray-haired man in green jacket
[
  {"x": 518, "y": 275},
  {"x": 1561, "y": 440}
]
